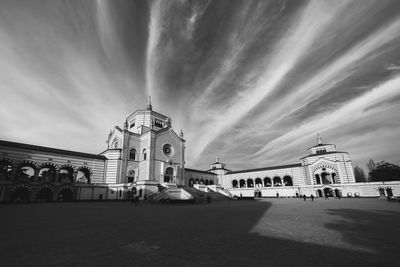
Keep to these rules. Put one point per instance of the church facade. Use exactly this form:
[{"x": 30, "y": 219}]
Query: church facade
[{"x": 146, "y": 156}]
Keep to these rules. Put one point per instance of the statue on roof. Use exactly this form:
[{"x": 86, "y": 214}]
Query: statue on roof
[
  {"x": 149, "y": 106},
  {"x": 319, "y": 139},
  {"x": 167, "y": 122},
  {"x": 216, "y": 159}
]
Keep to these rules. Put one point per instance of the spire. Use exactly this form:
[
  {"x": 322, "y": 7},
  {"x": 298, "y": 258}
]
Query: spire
[
  {"x": 181, "y": 134},
  {"x": 216, "y": 159},
  {"x": 149, "y": 106},
  {"x": 319, "y": 139}
]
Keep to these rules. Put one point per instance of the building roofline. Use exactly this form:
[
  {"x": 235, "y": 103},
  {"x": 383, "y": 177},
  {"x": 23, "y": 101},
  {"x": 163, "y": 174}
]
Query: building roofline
[
  {"x": 321, "y": 145},
  {"x": 194, "y": 170},
  {"x": 332, "y": 152},
  {"x": 146, "y": 111},
  {"x": 267, "y": 168},
  {"x": 50, "y": 150}
]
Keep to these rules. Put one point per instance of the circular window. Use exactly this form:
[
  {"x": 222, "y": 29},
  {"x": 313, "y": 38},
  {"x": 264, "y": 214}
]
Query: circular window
[{"x": 167, "y": 149}]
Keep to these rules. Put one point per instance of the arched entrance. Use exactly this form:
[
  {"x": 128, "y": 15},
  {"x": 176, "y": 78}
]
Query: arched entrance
[
  {"x": 242, "y": 183},
  {"x": 389, "y": 192},
  {"x": 381, "y": 192},
  {"x": 250, "y": 183},
  {"x": 169, "y": 175},
  {"x": 328, "y": 192},
  {"x": 65, "y": 195},
  {"x": 337, "y": 193},
  {"x": 20, "y": 194},
  {"x": 191, "y": 182},
  {"x": 319, "y": 191},
  {"x": 44, "y": 194}
]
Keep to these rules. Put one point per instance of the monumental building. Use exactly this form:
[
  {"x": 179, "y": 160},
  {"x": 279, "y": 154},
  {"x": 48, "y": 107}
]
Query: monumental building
[{"x": 146, "y": 157}]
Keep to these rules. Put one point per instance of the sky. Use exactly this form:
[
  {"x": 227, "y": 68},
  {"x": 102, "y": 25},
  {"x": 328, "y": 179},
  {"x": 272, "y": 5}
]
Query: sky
[{"x": 253, "y": 82}]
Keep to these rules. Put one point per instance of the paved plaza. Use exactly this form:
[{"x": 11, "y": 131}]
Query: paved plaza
[{"x": 270, "y": 232}]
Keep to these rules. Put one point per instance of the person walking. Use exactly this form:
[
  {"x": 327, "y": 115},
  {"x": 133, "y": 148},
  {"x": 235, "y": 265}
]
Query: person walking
[
  {"x": 312, "y": 197},
  {"x": 304, "y": 197}
]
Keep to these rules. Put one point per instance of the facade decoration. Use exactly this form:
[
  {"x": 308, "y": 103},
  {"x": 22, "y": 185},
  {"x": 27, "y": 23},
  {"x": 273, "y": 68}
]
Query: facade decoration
[{"x": 147, "y": 155}]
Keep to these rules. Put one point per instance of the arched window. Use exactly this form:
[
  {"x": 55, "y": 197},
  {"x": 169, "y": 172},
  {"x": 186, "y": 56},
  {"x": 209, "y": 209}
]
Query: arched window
[
  {"x": 26, "y": 172},
  {"x": 66, "y": 174},
  {"x": 242, "y": 183},
  {"x": 83, "y": 175},
  {"x": 206, "y": 182},
  {"x": 250, "y": 183},
  {"x": 47, "y": 173},
  {"x": 6, "y": 169},
  {"x": 234, "y": 183},
  {"x": 196, "y": 181},
  {"x": 211, "y": 182},
  {"x": 258, "y": 182},
  {"x": 267, "y": 182},
  {"x": 191, "y": 182},
  {"x": 277, "y": 181},
  {"x": 287, "y": 180},
  {"x": 144, "y": 154},
  {"x": 132, "y": 154}
]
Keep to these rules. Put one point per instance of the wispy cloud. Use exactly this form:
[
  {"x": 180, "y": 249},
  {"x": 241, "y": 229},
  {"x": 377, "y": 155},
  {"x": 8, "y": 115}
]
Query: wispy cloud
[{"x": 253, "y": 81}]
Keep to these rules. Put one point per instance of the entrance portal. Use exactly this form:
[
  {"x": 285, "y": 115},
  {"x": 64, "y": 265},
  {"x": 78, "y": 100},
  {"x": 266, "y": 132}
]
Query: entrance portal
[
  {"x": 338, "y": 193},
  {"x": 168, "y": 176},
  {"x": 319, "y": 193},
  {"x": 328, "y": 192},
  {"x": 44, "y": 194}
]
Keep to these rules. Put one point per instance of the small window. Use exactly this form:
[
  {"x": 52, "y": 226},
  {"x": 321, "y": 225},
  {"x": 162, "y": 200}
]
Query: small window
[
  {"x": 144, "y": 154},
  {"x": 321, "y": 151},
  {"x": 132, "y": 154}
]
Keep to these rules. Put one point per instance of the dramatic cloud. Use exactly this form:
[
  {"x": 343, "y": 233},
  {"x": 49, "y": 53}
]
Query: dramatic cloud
[{"x": 251, "y": 81}]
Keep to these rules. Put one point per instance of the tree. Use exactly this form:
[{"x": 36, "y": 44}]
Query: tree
[
  {"x": 385, "y": 171},
  {"x": 359, "y": 175},
  {"x": 371, "y": 165}
]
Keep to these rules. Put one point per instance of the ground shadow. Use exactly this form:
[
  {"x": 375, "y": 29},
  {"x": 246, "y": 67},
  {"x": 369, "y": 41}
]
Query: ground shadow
[
  {"x": 111, "y": 234},
  {"x": 375, "y": 230}
]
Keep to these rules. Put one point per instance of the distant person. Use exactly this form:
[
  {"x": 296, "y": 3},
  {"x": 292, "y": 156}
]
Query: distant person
[
  {"x": 241, "y": 195},
  {"x": 338, "y": 196},
  {"x": 312, "y": 197},
  {"x": 304, "y": 197},
  {"x": 277, "y": 194}
]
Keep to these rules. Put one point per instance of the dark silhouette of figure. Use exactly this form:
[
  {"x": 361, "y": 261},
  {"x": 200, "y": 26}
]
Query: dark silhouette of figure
[
  {"x": 277, "y": 194},
  {"x": 312, "y": 197},
  {"x": 304, "y": 197}
]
